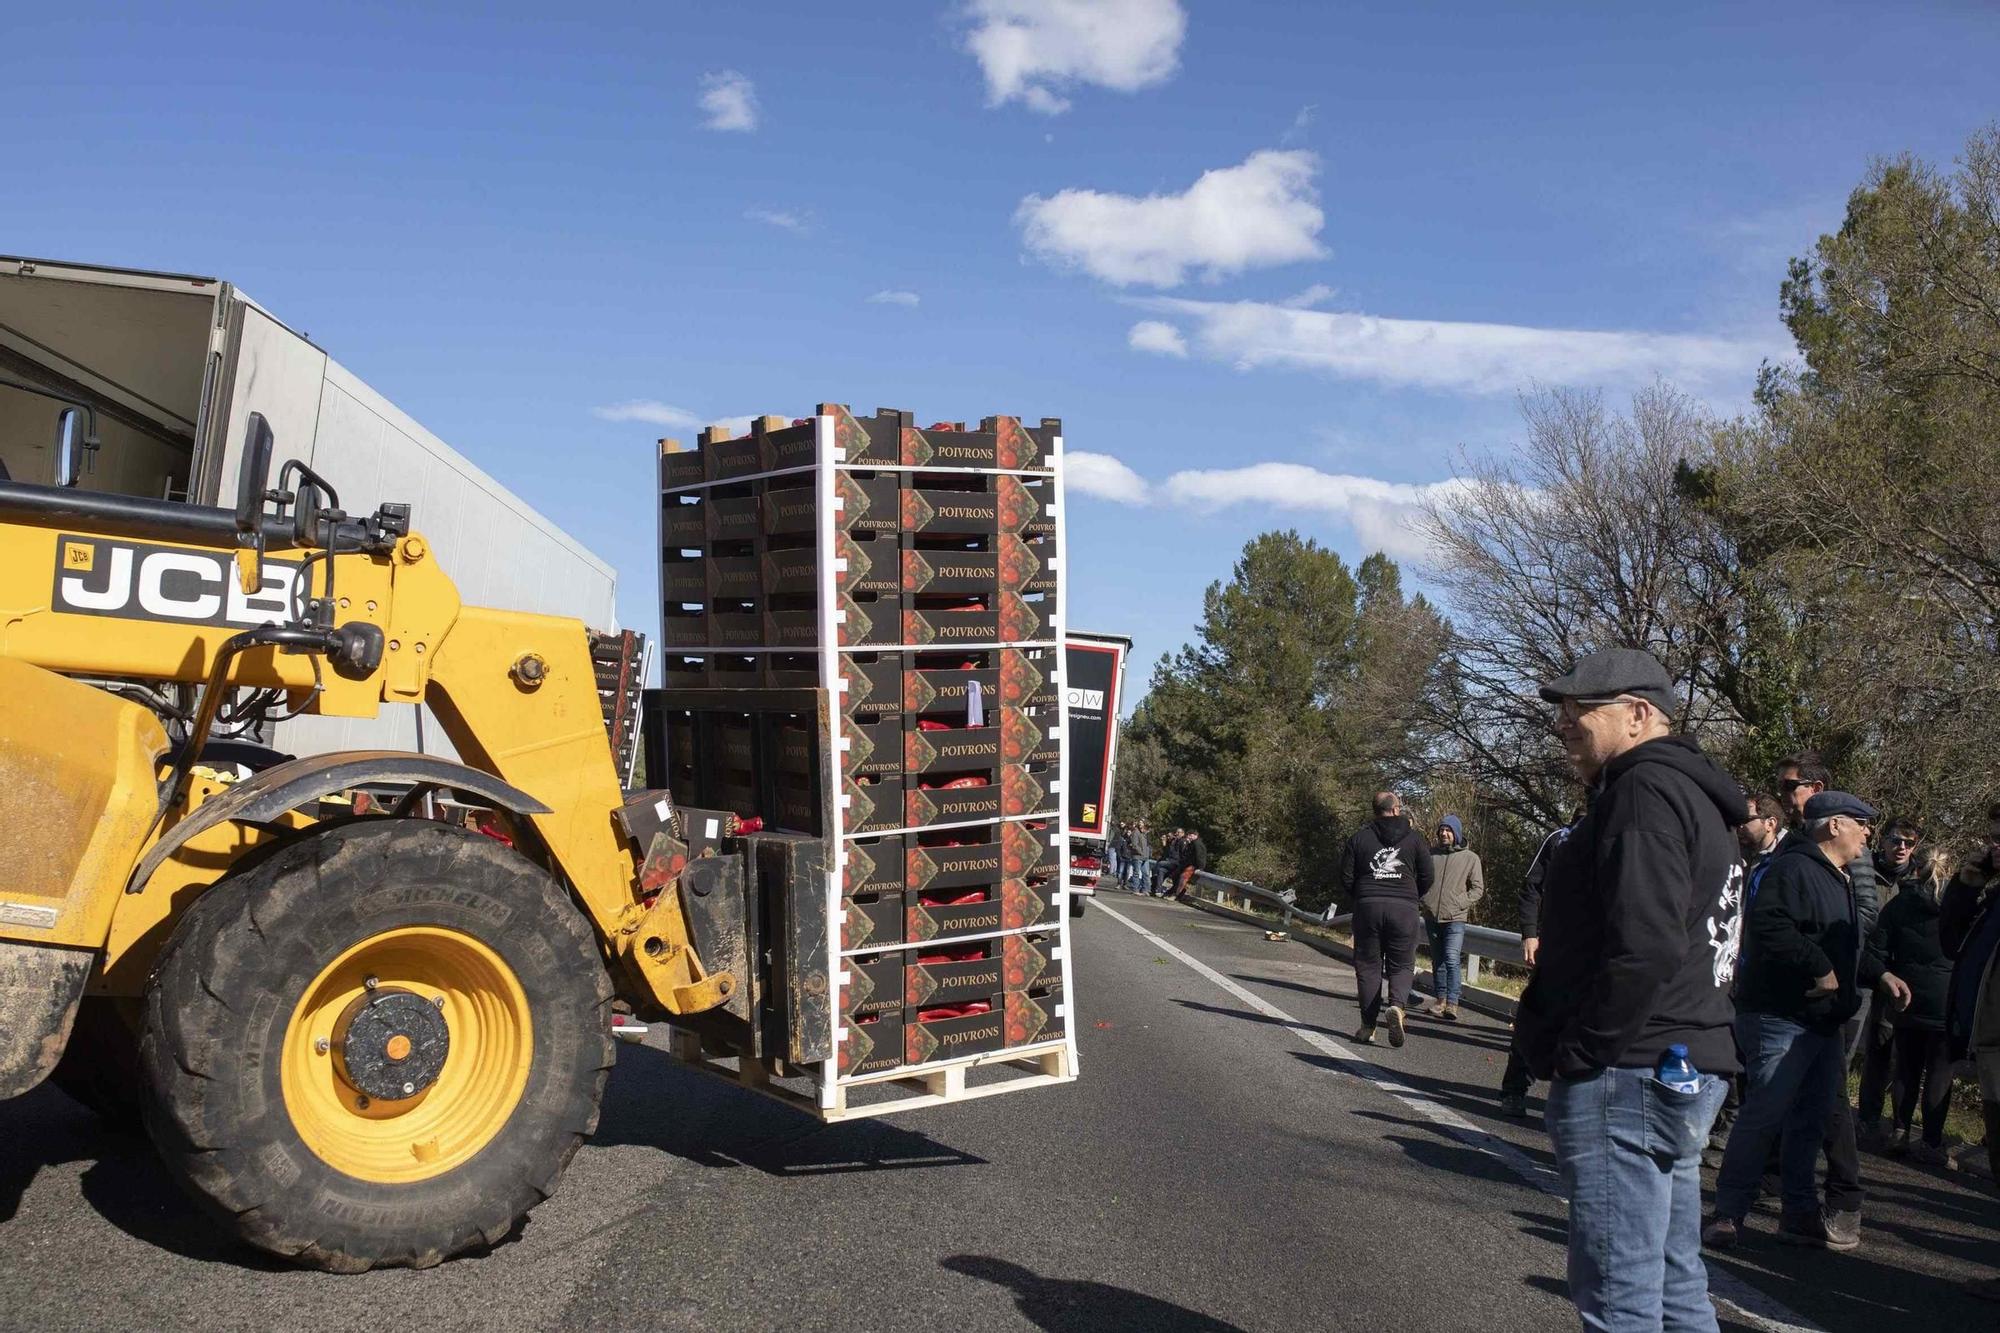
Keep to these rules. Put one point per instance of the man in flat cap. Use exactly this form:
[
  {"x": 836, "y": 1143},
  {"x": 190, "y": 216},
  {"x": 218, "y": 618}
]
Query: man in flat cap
[
  {"x": 1799, "y": 987},
  {"x": 1641, "y": 920}
]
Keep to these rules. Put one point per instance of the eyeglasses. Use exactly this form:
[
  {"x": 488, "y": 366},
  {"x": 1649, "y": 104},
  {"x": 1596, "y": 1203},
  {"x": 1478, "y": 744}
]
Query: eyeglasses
[{"x": 1570, "y": 711}]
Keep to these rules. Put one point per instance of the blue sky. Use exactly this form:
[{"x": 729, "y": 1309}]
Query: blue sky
[{"x": 517, "y": 220}]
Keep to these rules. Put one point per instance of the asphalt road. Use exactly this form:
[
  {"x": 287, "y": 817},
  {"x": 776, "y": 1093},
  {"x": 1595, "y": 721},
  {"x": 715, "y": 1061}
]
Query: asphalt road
[{"x": 1227, "y": 1161}]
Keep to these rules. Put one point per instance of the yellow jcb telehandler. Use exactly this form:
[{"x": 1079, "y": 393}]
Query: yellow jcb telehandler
[{"x": 359, "y": 1041}]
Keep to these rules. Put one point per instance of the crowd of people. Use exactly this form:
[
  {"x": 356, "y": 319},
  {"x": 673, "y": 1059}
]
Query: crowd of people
[
  {"x": 1709, "y": 963},
  {"x": 1157, "y": 871}
]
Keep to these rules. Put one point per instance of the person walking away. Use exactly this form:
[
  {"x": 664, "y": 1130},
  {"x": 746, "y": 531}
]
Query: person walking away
[
  {"x": 1628, "y": 1011},
  {"x": 1969, "y": 931},
  {"x": 1798, "y": 989},
  {"x": 1905, "y": 958},
  {"x": 1799, "y": 778},
  {"x": 1384, "y": 872},
  {"x": 1515, "y": 1079},
  {"x": 1897, "y": 867},
  {"x": 1458, "y": 881}
]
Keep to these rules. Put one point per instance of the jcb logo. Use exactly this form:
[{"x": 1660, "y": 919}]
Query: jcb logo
[{"x": 136, "y": 581}]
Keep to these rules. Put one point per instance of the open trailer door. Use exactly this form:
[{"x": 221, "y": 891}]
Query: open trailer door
[{"x": 1094, "y": 677}]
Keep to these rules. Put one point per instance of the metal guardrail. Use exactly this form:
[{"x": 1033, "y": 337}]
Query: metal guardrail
[{"x": 1481, "y": 942}]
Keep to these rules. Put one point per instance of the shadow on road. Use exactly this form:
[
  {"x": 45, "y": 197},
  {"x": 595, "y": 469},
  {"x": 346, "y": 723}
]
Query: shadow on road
[
  {"x": 1064, "y": 1305},
  {"x": 654, "y": 1101},
  {"x": 1346, "y": 994},
  {"x": 124, "y": 1182}
]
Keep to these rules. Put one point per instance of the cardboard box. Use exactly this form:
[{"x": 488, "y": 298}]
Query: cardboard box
[
  {"x": 872, "y": 747},
  {"x": 884, "y": 1041},
  {"x": 737, "y": 577},
  {"x": 953, "y": 748},
  {"x": 934, "y": 571},
  {"x": 732, "y": 517},
  {"x": 893, "y": 437},
  {"x": 682, "y": 524},
  {"x": 871, "y": 1044},
  {"x": 954, "y": 858}
]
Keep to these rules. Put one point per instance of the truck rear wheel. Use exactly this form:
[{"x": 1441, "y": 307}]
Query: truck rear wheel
[{"x": 379, "y": 1047}]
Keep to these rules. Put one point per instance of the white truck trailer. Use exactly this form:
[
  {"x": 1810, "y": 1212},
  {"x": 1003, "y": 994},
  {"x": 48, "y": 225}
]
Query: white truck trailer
[{"x": 140, "y": 383}]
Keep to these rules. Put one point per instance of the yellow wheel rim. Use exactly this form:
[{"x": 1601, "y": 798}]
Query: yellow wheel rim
[{"x": 475, "y": 1091}]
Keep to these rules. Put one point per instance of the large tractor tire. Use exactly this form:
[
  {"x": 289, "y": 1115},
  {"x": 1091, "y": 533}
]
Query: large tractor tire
[
  {"x": 378, "y": 1047},
  {"x": 100, "y": 1065}
]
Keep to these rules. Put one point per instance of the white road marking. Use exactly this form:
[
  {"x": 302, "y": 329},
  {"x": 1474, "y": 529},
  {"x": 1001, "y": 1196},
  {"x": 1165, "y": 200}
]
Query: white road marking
[{"x": 1724, "y": 1288}]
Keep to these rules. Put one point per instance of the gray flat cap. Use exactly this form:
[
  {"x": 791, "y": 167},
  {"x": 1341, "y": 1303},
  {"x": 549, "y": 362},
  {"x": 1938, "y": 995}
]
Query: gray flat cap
[
  {"x": 1830, "y": 803},
  {"x": 1615, "y": 671}
]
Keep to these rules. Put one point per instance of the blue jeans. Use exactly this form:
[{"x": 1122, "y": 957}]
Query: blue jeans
[
  {"x": 1793, "y": 1078},
  {"x": 1447, "y": 944},
  {"x": 1629, "y": 1149},
  {"x": 1111, "y": 862}
]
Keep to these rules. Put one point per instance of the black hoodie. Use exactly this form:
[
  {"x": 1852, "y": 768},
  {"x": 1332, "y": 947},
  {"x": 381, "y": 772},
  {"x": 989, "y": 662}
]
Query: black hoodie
[
  {"x": 1641, "y": 922},
  {"x": 1385, "y": 861}
]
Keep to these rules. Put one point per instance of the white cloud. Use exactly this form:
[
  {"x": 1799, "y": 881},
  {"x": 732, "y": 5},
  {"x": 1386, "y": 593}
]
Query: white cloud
[
  {"x": 801, "y": 223},
  {"x": 655, "y": 413},
  {"x": 1302, "y": 122},
  {"x": 1461, "y": 357},
  {"x": 1317, "y": 294},
  {"x": 894, "y": 298},
  {"x": 1032, "y": 51},
  {"x": 1103, "y": 476},
  {"x": 728, "y": 102},
  {"x": 1262, "y": 212},
  {"x": 1156, "y": 335},
  {"x": 1385, "y": 515}
]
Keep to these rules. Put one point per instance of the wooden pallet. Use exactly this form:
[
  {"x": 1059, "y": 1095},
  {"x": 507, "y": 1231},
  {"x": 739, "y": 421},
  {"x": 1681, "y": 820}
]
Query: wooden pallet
[{"x": 1035, "y": 1066}]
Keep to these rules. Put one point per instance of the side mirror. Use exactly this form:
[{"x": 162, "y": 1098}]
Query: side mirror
[
  {"x": 253, "y": 477},
  {"x": 252, "y": 480},
  {"x": 76, "y": 445}
]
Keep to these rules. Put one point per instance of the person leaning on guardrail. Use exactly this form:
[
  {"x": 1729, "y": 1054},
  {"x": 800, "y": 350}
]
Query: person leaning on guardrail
[{"x": 1628, "y": 1013}]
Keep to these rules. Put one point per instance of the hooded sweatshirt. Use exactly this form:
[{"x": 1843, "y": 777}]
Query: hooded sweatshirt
[
  {"x": 1641, "y": 922},
  {"x": 1459, "y": 879},
  {"x": 1386, "y": 862}
]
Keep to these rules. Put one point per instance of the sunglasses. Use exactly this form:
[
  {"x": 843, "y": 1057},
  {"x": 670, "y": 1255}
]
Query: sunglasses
[
  {"x": 1793, "y": 784},
  {"x": 1900, "y": 841}
]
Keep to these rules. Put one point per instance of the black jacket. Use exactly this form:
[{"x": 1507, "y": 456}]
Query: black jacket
[
  {"x": 1385, "y": 862},
  {"x": 1531, "y": 883},
  {"x": 1194, "y": 853},
  {"x": 1906, "y": 941},
  {"x": 1641, "y": 922},
  {"x": 1860, "y": 873},
  {"x": 1804, "y": 922}
]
